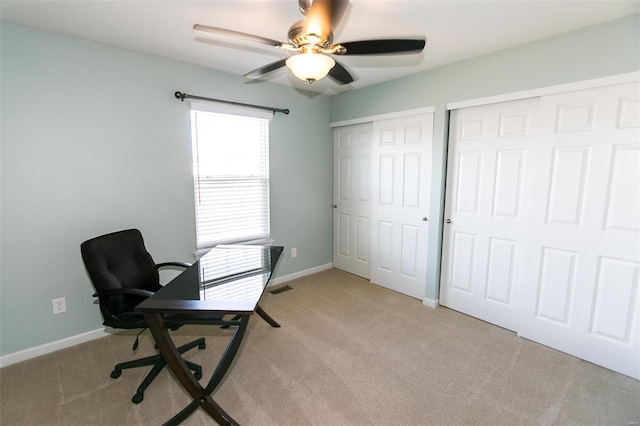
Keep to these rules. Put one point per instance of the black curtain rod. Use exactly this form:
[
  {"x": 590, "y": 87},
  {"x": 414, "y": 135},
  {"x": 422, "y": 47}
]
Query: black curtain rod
[{"x": 183, "y": 96}]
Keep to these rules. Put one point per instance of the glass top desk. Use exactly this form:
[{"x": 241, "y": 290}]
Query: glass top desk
[{"x": 228, "y": 280}]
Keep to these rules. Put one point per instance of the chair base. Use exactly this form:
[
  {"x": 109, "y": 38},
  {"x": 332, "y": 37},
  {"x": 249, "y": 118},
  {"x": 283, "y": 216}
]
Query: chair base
[{"x": 158, "y": 363}]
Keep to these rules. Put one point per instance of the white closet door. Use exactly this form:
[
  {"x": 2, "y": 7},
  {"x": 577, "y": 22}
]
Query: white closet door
[
  {"x": 486, "y": 209},
  {"x": 401, "y": 188},
  {"x": 543, "y": 197},
  {"x": 580, "y": 288},
  {"x": 352, "y": 198}
]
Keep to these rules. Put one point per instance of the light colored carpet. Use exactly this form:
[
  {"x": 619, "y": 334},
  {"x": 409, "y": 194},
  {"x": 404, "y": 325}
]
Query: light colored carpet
[{"x": 348, "y": 353}]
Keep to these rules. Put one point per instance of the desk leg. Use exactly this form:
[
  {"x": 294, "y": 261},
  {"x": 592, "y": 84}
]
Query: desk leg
[
  {"x": 228, "y": 355},
  {"x": 265, "y": 316},
  {"x": 201, "y": 396}
]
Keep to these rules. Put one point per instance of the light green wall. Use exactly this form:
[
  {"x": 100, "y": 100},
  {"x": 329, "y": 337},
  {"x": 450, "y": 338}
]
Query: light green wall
[
  {"x": 603, "y": 50},
  {"x": 93, "y": 141}
]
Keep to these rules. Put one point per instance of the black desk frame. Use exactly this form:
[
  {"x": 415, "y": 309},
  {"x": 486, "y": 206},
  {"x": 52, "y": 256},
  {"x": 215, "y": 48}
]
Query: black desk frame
[{"x": 154, "y": 312}]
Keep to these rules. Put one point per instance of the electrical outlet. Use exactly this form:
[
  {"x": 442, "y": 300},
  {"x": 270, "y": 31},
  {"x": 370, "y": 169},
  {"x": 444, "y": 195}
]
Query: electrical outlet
[
  {"x": 294, "y": 252},
  {"x": 59, "y": 305}
]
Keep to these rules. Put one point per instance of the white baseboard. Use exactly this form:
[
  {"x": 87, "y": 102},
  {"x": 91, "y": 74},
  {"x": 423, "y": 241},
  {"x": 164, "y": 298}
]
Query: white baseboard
[
  {"x": 52, "y": 347},
  {"x": 300, "y": 274},
  {"x": 431, "y": 303},
  {"x": 102, "y": 332}
]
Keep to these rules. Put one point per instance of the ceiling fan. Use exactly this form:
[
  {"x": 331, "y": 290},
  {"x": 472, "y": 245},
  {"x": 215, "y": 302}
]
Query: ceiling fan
[{"x": 311, "y": 39}]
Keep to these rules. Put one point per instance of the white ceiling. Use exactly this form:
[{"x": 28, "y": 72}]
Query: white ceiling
[{"x": 455, "y": 30}]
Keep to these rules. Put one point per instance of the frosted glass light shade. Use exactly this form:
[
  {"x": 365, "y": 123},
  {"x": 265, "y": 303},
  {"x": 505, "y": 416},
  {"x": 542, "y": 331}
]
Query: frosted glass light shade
[{"x": 310, "y": 66}]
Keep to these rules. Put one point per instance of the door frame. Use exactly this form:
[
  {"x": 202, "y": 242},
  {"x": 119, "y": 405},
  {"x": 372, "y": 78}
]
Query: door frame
[
  {"x": 372, "y": 118},
  {"x": 613, "y": 80}
]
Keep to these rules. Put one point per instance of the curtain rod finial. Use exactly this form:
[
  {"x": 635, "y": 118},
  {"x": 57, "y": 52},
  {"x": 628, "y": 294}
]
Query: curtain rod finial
[{"x": 180, "y": 96}]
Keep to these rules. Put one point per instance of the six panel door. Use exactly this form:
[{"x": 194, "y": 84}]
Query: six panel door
[
  {"x": 544, "y": 236},
  {"x": 401, "y": 184},
  {"x": 580, "y": 288},
  {"x": 352, "y": 198},
  {"x": 486, "y": 209}
]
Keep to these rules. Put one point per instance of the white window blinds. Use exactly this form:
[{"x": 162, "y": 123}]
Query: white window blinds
[{"x": 231, "y": 174}]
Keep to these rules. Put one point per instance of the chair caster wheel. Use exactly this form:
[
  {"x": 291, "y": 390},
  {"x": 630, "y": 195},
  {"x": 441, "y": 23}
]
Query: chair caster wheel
[
  {"x": 198, "y": 374},
  {"x": 115, "y": 374},
  {"x": 202, "y": 345},
  {"x": 138, "y": 397}
]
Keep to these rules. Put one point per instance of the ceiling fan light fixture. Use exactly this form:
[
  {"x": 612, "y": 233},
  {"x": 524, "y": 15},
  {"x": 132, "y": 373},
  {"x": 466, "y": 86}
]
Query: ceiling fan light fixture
[{"x": 310, "y": 66}]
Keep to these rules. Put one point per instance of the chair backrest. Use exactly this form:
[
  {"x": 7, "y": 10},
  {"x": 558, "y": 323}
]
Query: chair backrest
[{"x": 115, "y": 261}]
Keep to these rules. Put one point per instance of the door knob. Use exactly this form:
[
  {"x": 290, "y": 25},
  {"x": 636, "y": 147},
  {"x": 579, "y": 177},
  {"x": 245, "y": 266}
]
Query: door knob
[
  {"x": 448, "y": 221},
  {"x": 335, "y": 206},
  {"x": 425, "y": 218}
]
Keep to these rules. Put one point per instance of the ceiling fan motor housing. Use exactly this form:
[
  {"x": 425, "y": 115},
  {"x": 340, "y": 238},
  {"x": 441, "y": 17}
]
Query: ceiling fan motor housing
[{"x": 300, "y": 35}]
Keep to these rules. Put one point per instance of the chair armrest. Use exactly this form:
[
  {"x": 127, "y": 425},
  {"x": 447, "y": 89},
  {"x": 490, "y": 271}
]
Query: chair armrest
[
  {"x": 119, "y": 291},
  {"x": 179, "y": 264}
]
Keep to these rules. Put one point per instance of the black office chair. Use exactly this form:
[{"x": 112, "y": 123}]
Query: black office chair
[{"x": 123, "y": 275}]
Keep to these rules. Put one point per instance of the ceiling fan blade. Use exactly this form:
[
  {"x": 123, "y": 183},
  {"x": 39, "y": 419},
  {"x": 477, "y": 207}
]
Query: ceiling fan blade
[
  {"x": 340, "y": 75},
  {"x": 259, "y": 72},
  {"x": 325, "y": 14},
  {"x": 237, "y": 34},
  {"x": 382, "y": 47}
]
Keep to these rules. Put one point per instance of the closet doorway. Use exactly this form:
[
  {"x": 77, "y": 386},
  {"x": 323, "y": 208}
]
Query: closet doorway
[
  {"x": 542, "y": 221},
  {"x": 382, "y": 174}
]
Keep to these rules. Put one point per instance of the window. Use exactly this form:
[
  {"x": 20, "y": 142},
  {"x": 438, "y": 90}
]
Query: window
[{"x": 231, "y": 174}]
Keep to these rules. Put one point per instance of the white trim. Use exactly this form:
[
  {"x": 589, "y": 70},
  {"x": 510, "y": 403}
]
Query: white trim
[
  {"x": 549, "y": 90},
  {"x": 398, "y": 114},
  {"x": 431, "y": 303},
  {"x": 300, "y": 274},
  {"x": 223, "y": 108},
  {"x": 54, "y": 346}
]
